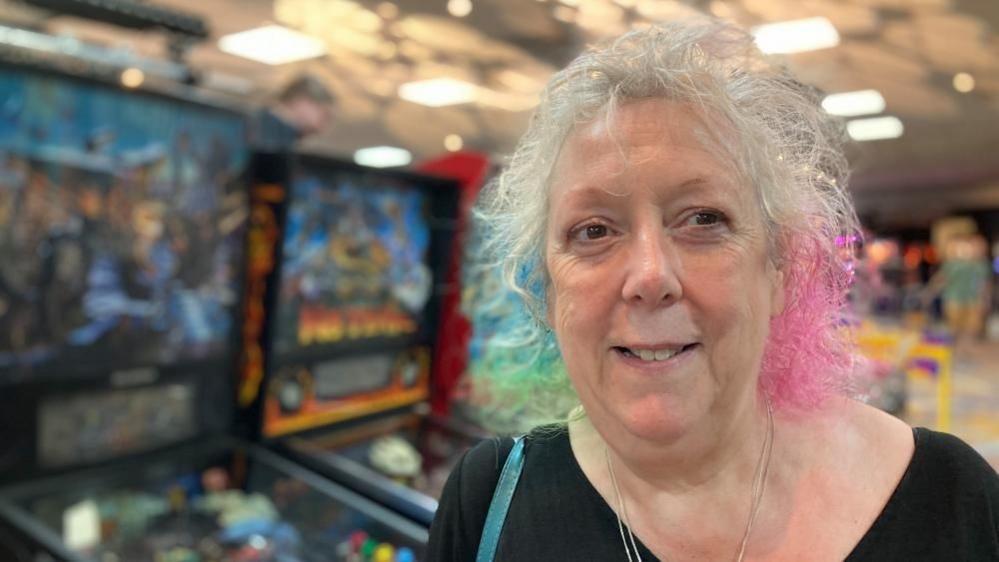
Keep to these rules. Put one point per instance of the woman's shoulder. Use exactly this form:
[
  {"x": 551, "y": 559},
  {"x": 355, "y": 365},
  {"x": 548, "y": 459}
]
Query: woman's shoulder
[
  {"x": 464, "y": 502},
  {"x": 902, "y": 492},
  {"x": 481, "y": 466},
  {"x": 486, "y": 457},
  {"x": 943, "y": 460},
  {"x": 942, "y": 457},
  {"x": 946, "y": 507},
  {"x": 856, "y": 440},
  {"x": 489, "y": 455},
  {"x": 468, "y": 493}
]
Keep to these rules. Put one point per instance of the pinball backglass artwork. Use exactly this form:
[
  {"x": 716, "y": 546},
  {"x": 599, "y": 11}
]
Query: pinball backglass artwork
[
  {"x": 120, "y": 227},
  {"x": 353, "y": 324}
]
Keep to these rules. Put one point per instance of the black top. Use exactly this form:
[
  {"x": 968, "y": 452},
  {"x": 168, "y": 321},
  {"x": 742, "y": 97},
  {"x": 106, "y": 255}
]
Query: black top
[{"x": 946, "y": 507}]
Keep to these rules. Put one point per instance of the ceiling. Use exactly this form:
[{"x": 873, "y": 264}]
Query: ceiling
[{"x": 909, "y": 50}]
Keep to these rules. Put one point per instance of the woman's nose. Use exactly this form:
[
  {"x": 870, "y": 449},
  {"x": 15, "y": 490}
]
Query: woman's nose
[{"x": 651, "y": 277}]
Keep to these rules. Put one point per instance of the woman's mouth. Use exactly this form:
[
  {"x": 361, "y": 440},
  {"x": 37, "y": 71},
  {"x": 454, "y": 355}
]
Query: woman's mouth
[{"x": 653, "y": 355}]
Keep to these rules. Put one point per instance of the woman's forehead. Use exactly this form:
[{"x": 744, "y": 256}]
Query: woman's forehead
[
  {"x": 640, "y": 129},
  {"x": 670, "y": 121},
  {"x": 665, "y": 138}
]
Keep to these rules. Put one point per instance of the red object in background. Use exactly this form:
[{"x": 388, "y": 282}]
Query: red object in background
[
  {"x": 930, "y": 255},
  {"x": 912, "y": 256},
  {"x": 357, "y": 539},
  {"x": 471, "y": 170}
]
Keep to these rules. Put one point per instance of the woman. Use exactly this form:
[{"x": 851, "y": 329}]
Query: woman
[{"x": 672, "y": 216}]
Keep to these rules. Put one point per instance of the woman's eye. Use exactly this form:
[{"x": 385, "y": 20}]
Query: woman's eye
[
  {"x": 591, "y": 232},
  {"x": 705, "y": 218}
]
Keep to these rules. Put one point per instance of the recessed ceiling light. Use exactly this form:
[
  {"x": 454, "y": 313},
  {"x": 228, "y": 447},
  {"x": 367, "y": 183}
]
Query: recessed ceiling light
[
  {"x": 272, "y": 44},
  {"x": 453, "y": 142},
  {"x": 851, "y": 104},
  {"x": 875, "y": 128},
  {"x": 438, "y": 92},
  {"x": 383, "y": 156},
  {"x": 459, "y": 8},
  {"x": 132, "y": 77},
  {"x": 964, "y": 82},
  {"x": 796, "y": 36}
]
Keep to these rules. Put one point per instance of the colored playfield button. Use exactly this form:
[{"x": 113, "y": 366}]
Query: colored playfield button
[
  {"x": 368, "y": 550},
  {"x": 384, "y": 553}
]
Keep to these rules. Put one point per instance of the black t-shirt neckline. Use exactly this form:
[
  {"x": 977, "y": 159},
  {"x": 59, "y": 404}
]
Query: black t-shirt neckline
[{"x": 871, "y": 535}]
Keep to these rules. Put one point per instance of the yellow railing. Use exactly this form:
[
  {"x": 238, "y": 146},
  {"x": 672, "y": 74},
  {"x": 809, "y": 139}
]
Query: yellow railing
[
  {"x": 942, "y": 357},
  {"x": 905, "y": 349}
]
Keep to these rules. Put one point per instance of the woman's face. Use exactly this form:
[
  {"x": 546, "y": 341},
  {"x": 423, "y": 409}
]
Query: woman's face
[{"x": 661, "y": 287}]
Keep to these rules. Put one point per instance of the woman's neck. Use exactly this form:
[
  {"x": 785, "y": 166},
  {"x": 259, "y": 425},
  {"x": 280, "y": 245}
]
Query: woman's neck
[
  {"x": 821, "y": 475},
  {"x": 715, "y": 456},
  {"x": 694, "y": 494}
]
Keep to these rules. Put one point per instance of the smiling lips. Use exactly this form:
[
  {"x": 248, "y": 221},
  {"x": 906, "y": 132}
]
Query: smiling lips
[{"x": 652, "y": 354}]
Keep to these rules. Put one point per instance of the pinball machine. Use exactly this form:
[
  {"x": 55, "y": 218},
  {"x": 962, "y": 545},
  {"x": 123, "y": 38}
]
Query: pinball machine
[
  {"x": 123, "y": 222},
  {"x": 349, "y": 315}
]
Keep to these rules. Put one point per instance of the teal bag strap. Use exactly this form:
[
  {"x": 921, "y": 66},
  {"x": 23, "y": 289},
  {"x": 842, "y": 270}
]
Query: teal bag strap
[{"x": 502, "y": 497}]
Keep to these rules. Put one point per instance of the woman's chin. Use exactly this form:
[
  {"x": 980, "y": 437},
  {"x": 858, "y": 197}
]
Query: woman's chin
[
  {"x": 658, "y": 420},
  {"x": 641, "y": 415}
]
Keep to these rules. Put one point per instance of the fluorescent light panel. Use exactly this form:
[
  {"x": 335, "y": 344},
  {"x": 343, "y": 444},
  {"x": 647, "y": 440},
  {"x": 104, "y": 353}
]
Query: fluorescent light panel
[
  {"x": 438, "y": 92},
  {"x": 796, "y": 36},
  {"x": 852, "y": 104},
  {"x": 272, "y": 44},
  {"x": 875, "y": 128},
  {"x": 383, "y": 156}
]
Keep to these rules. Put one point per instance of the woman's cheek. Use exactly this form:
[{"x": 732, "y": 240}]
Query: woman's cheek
[{"x": 568, "y": 279}]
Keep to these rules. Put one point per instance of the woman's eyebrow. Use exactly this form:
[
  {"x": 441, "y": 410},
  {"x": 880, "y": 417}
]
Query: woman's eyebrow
[
  {"x": 590, "y": 194},
  {"x": 692, "y": 182},
  {"x": 586, "y": 193}
]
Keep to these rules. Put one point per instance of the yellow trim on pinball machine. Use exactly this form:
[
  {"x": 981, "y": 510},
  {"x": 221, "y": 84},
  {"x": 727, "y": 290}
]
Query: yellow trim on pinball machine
[
  {"x": 907, "y": 350},
  {"x": 343, "y": 411}
]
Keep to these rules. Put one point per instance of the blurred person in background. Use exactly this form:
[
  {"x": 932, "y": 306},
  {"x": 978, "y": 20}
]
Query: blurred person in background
[
  {"x": 304, "y": 107},
  {"x": 964, "y": 285},
  {"x": 671, "y": 218}
]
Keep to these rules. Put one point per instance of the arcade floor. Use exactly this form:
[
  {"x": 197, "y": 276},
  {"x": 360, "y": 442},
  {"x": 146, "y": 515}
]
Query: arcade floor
[{"x": 975, "y": 401}]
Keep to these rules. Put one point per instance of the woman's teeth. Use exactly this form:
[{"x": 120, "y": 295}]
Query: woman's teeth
[{"x": 650, "y": 355}]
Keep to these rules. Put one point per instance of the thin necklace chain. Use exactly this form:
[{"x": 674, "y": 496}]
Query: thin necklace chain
[{"x": 759, "y": 488}]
